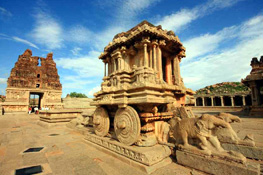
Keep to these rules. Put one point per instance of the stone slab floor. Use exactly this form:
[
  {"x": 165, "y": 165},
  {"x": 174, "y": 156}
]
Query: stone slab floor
[{"x": 64, "y": 153}]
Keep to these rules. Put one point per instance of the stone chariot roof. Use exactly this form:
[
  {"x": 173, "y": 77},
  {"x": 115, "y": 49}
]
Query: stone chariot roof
[{"x": 144, "y": 29}]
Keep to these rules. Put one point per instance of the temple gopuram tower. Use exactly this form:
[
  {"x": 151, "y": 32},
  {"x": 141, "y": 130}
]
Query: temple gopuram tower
[
  {"x": 255, "y": 82},
  {"x": 33, "y": 75}
]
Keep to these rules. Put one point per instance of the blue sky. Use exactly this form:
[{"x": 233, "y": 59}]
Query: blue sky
[{"x": 220, "y": 36}]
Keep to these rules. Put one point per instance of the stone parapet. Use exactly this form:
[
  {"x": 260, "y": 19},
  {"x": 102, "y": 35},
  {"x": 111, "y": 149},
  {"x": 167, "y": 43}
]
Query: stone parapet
[
  {"x": 53, "y": 117},
  {"x": 77, "y": 103},
  {"x": 216, "y": 109}
]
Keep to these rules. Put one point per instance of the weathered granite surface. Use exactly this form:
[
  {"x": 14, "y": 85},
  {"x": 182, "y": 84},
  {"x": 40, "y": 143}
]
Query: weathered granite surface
[{"x": 215, "y": 166}]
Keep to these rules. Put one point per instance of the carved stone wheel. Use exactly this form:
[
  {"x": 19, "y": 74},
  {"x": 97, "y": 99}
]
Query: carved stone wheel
[
  {"x": 127, "y": 125},
  {"x": 101, "y": 122}
]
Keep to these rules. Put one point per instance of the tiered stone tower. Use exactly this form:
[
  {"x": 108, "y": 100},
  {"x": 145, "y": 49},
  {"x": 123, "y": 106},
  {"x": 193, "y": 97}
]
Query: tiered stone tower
[{"x": 29, "y": 76}]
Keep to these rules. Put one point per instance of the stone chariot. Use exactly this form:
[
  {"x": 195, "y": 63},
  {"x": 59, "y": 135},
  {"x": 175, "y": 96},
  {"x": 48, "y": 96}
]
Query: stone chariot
[{"x": 141, "y": 84}]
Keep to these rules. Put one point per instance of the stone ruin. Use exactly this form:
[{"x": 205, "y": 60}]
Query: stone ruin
[
  {"x": 29, "y": 77},
  {"x": 225, "y": 94},
  {"x": 255, "y": 82},
  {"x": 141, "y": 111}
]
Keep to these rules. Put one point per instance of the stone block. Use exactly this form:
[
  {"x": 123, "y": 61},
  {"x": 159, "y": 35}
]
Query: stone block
[
  {"x": 247, "y": 151},
  {"x": 213, "y": 165},
  {"x": 147, "y": 159}
]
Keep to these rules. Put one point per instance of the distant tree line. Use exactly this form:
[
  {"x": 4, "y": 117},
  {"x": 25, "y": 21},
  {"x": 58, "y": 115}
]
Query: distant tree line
[{"x": 77, "y": 95}]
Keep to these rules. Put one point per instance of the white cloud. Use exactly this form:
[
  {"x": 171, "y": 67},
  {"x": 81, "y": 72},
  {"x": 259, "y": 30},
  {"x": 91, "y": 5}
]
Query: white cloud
[
  {"x": 103, "y": 38},
  {"x": 178, "y": 20},
  {"x": 132, "y": 8},
  {"x": 79, "y": 34},
  {"x": 207, "y": 43},
  {"x": 75, "y": 51},
  {"x": 17, "y": 39},
  {"x": 93, "y": 90},
  {"x": 3, "y": 80},
  {"x": 24, "y": 41},
  {"x": 75, "y": 82},
  {"x": 5, "y": 13},
  {"x": 86, "y": 66},
  {"x": 47, "y": 31},
  {"x": 227, "y": 64}
]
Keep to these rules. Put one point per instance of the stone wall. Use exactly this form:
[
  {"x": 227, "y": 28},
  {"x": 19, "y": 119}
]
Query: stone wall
[
  {"x": 216, "y": 109},
  {"x": 77, "y": 103}
]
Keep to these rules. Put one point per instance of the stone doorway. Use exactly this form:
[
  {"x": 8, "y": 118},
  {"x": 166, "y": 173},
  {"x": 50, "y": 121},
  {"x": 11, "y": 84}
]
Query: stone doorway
[
  {"x": 217, "y": 101},
  {"x": 208, "y": 101},
  {"x": 199, "y": 101},
  {"x": 238, "y": 101},
  {"x": 35, "y": 100},
  {"x": 248, "y": 100},
  {"x": 227, "y": 101}
]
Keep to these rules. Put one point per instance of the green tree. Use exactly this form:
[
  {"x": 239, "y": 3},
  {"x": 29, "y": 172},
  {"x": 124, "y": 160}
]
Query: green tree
[{"x": 77, "y": 95}]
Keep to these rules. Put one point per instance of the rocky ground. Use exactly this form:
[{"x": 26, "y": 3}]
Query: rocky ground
[{"x": 64, "y": 151}]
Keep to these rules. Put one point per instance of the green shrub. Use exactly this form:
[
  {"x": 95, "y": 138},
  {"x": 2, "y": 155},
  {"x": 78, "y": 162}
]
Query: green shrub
[{"x": 77, "y": 95}]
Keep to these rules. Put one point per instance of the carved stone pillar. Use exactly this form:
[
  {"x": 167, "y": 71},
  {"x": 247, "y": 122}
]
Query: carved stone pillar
[
  {"x": 203, "y": 101},
  {"x": 195, "y": 101},
  {"x": 109, "y": 67},
  {"x": 254, "y": 93},
  {"x": 105, "y": 64},
  {"x": 154, "y": 57},
  {"x": 145, "y": 58},
  {"x": 168, "y": 70},
  {"x": 151, "y": 58},
  {"x": 126, "y": 62},
  {"x": 114, "y": 65},
  {"x": 119, "y": 64},
  {"x": 244, "y": 100},
  {"x": 159, "y": 62},
  {"x": 232, "y": 101},
  {"x": 176, "y": 66},
  {"x": 222, "y": 101},
  {"x": 145, "y": 42},
  {"x": 212, "y": 101}
]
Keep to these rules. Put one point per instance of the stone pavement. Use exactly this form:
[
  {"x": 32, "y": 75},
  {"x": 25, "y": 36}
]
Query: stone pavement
[{"x": 64, "y": 151}]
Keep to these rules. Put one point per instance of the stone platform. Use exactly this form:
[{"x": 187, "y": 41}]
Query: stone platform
[
  {"x": 49, "y": 118},
  {"x": 147, "y": 159},
  {"x": 256, "y": 111},
  {"x": 247, "y": 151},
  {"x": 212, "y": 165}
]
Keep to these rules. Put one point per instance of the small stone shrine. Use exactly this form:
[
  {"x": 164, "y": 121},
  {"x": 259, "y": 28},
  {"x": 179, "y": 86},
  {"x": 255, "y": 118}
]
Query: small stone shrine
[
  {"x": 255, "y": 82},
  {"x": 30, "y": 77}
]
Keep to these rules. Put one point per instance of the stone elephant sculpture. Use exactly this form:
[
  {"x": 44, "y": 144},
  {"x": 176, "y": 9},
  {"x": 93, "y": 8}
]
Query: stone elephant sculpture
[
  {"x": 228, "y": 117},
  {"x": 197, "y": 128}
]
